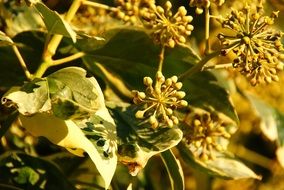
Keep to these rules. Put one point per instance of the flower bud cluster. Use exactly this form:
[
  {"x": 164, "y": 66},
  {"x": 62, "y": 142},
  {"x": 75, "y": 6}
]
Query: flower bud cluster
[
  {"x": 257, "y": 45},
  {"x": 204, "y": 132},
  {"x": 160, "y": 99},
  {"x": 168, "y": 29},
  {"x": 201, "y": 4},
  {"x": 128, "y": 10}
]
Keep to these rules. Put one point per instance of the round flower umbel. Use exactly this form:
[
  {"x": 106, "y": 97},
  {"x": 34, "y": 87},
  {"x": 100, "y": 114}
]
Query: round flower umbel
[
  {"x": 128, "y": 10},
  {"x": 201, "y": 4},
  {"x": 160, "y": 100},
  {"x": 256, "y": 44},
  {"x": 205, "y": 133},
  {"x": 168, "y": 29}
]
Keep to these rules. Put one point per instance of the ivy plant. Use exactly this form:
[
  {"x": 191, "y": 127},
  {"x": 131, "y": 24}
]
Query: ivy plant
[{"x": 116, "y": 84}]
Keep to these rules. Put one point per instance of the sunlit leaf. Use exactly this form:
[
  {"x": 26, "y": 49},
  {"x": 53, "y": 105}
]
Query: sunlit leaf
[
  {"x": 174, "y": 170},
  {"x": 78, "y": 136},
  {"x": 67, "y": 92},
  {"x": 47, "y": 106},
  {"x": 139, "y": 142},
  {"x": 54, "y": 23},
  {"x": 223, "y": 166},
  {"x": 33, "y": 97},
  {"x": 271, "y": 123},
  {"x": 268, "y": 117}
]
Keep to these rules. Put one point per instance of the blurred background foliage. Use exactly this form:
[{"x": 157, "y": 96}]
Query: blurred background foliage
[{"x": 250, "y": 143}]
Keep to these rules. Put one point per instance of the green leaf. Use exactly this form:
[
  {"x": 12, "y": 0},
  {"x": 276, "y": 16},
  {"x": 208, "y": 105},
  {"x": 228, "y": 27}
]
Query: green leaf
[
  {"x": 72, "y": 94},
  {"x": 130, "y": 55},
  {"x": 223, "y": 166},
  {"x": 138, "y": 142},
  {"x": 174, "y": 170},
  {"x": 29, "y": 172},
  {"x": 5, "y": 40},
  {"x": 26, "y": 175},
  {"x": 54, "y": 23},
  {"x": 203, "y": 91}
]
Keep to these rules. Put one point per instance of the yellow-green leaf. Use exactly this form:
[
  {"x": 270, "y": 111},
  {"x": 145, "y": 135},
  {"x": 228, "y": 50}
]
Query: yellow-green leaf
[{"x": 54, "y": 23}]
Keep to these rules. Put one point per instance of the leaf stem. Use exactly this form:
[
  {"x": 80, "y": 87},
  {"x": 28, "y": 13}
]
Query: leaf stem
[
  {"x": 191, "y": 50},
  {"x": 199, "y": 66},
  {"x": 161, "y": 58},
  {"x": 207, "y": 30},
  {"x": 98, "y": 5},
  {"x": 219, "y": 66},
  {"x": 22, "y": 62},
  {"x": 68, "y": 59}
]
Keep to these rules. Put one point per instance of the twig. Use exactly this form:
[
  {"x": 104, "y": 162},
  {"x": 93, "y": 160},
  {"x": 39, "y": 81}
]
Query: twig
[
  {"x": 161, "y": 58},
  {"x": 22, "y": 62},
  {"x": 219, "y": 66},
  {"x": 207, "y": 30},
  {"x": 68, "y": 59},
  {"x": 98, "y": 5}
]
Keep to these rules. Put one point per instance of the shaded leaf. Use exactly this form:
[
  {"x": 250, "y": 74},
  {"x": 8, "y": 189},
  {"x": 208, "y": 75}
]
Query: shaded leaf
[
  {"x": 203, "y": 91},
  {"x": 223, "y": 166},
  {"x": 130, "y": 55},
  {"x": 30, "y": 44},
  {"x": 29, "y": 172},
  {"x": 26, "y": 175},
  {"x": 54, "y": 23},
  {"x": 6, "y": 121},
  {"x": 138, "y": 142},
  {"x": 174, "y": 170},
  {"x": 21, "y": 18}
]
